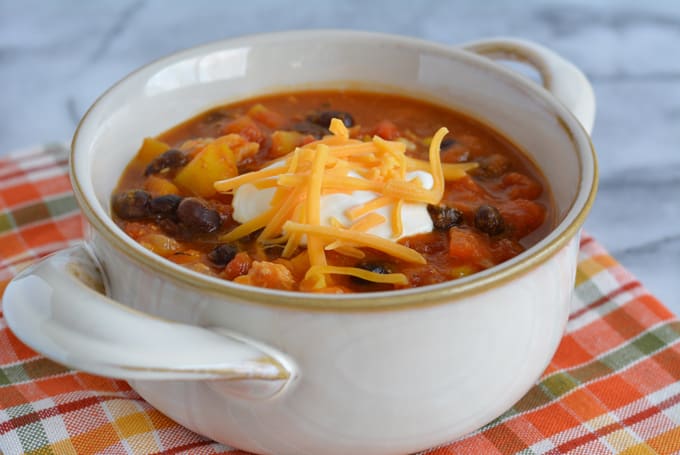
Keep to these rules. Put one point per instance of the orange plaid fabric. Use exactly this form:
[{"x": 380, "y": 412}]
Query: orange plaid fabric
[{"x": 613, "y": 386}]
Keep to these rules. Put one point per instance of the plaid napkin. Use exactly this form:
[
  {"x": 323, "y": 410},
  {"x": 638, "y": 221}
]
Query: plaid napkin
[{"x": 612, "y": 387}]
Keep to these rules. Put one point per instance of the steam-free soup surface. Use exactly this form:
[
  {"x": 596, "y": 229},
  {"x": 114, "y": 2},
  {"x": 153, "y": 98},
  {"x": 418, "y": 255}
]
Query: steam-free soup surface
[{"x": 489, "y": 212}]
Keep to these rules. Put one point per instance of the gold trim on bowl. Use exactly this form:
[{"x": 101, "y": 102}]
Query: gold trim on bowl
[{"x": 379, "y": 301}]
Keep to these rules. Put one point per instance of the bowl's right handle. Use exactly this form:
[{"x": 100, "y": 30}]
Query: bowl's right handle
[
  {"x": 58, "y": 308},
  {"x": 560, "y": 77}
]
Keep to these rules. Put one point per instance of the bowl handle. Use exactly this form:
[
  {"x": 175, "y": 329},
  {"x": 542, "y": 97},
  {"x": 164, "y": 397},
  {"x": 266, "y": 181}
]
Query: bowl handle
[
  {"x": 57, "y": 307},
  {"x": 560, "y": 77}
]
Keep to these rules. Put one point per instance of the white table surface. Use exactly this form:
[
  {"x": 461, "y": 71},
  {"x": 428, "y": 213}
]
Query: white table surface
[{"x": 56, "y": 57}]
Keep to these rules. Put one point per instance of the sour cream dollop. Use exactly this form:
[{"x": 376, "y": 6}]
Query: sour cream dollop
[{"x": 250, "y": 202}]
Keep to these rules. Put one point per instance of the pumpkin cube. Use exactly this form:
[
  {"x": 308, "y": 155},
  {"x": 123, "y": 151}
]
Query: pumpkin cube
[
  {"x": 151, "y": 148},
  {"x": 158, "y": 186},
  {"x": 284, "y": 142},
  {"x": 215, "y": 162}
]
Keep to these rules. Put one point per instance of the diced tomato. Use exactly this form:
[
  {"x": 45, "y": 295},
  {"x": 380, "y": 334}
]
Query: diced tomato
[
  {"x": 266, "y": 116},
  {"x": 465, "y": 188},
  {"x": 465, "y": 194},
  {"x": 469, "y": 248},
  {"x": 504, "y": 249},
  {"x": 522, "y": 216},
  {"x": 421, "y": 275},
  {"x": 430, "y": 243},
  {"x": 137, "y": 230},
  {"x": 246, "y": 127},
  {"x": 237, "y": 266},
  {"x": 520, "y": 186},
  {"x": 386, "y": 130}
]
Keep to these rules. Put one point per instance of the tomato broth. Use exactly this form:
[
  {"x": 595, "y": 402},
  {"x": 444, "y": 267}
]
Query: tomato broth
[{"x": 493, "y": 206}]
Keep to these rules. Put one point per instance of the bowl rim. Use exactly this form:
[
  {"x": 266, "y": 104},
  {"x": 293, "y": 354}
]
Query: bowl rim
[{"x": 429, "y": 295}]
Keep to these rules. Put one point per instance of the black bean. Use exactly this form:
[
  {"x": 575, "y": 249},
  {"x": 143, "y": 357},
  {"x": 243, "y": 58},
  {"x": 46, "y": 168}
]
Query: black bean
[
  {"x": 221, "y": 255},
  {"x": 488, "y": 219},
  {"x": 447, "y": 142},
  {"x": 132, "y": 204},
  {"x": 170, "y": 159},
  {"x": 372, "y": 266},
  {"x": 324, "y": 118},
  {"x": 444, "y": 217},
  {"x": 165, "y": 205},
  {"x": 196, "y": 216},
  {"x": 312, "y": 129}
]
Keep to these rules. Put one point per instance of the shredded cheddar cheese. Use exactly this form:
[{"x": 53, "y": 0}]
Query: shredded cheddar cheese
[
  {"x": 367, "y": 222},
  {"x": 339, "y": 164}
]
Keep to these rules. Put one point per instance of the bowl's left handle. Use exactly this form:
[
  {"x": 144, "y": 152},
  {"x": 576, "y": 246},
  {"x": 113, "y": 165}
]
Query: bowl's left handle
[
  {"x": 57, "y": 308},
  {"x": 559, "y": 76}
]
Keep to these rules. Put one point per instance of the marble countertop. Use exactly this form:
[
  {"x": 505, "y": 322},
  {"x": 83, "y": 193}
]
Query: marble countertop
[{"x": 57, "y": 57}]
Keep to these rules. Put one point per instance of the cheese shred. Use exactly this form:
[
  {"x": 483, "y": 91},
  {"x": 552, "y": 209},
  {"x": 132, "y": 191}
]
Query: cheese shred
[{"x": 331, "y": 165}]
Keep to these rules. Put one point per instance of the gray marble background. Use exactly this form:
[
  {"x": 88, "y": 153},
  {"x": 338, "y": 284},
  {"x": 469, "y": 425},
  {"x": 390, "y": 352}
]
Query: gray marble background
[{"x": 56, "y": 57}]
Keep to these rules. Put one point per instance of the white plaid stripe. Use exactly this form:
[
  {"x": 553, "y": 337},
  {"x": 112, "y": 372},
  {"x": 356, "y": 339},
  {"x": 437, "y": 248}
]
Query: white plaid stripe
[
  {"x": 4, "y": 416},
  {"x": 28, "y": 164},
  {"x": 46, "y": 156},
  {"x": 606, "y": 283},
  {"x": 617, "y": 440},
  {"x": 55, "y": 429},
  {"x": 653, "y": 426},
  {"x": 36, "y": 176},
  {"x": 648, "y": 401},
  {"x": 10, "y": 443},
  {"x": 53, "y": 149},
  {"x": 623, "y": 439},
  {"x": 664, "y": 394},
  {"x": 673, "y": 413},
  {"x": 614, "y": 303},
  {"x": 570, "y": 434},
  {"x": 541, "y": 447},
  {"x": 43, "y": 404}
]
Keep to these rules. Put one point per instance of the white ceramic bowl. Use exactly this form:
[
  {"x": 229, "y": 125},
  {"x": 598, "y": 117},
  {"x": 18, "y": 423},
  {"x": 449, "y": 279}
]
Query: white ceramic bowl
[{"x": 290, "y": 373}]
